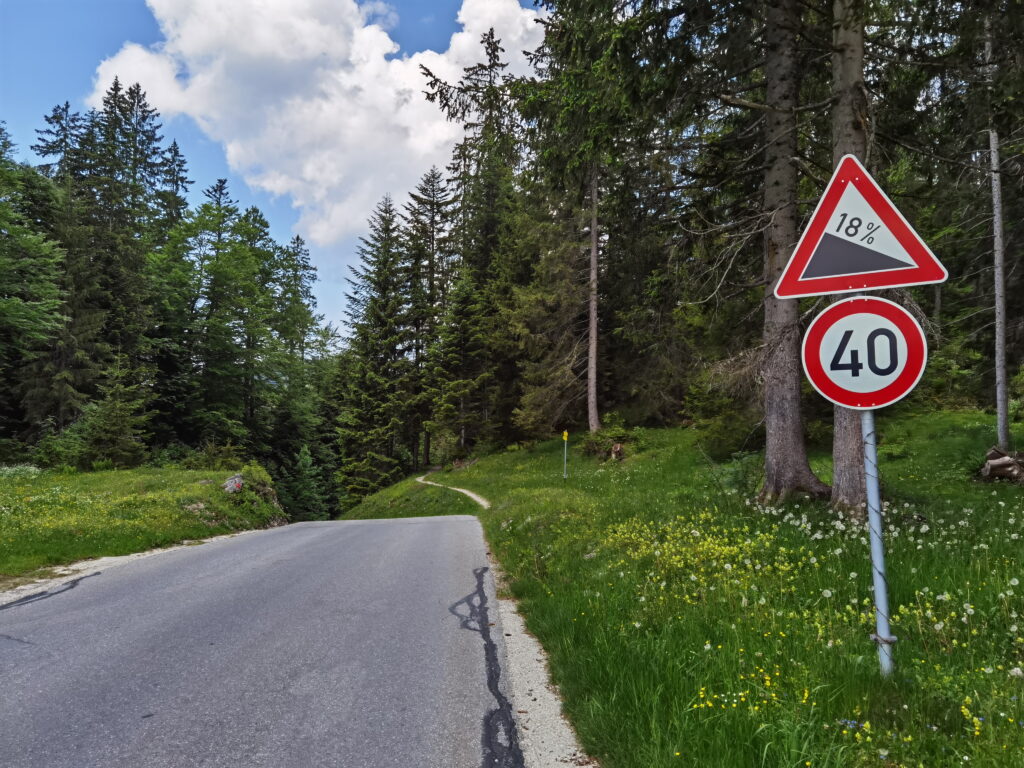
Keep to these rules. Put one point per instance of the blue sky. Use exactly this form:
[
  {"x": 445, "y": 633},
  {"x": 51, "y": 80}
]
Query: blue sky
[{"x": 344, "y": 152}]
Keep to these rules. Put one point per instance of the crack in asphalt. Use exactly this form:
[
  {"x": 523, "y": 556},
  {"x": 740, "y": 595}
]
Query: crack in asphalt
[
  {"x": 500, "y": 740},
  {"x": 49, "y": 593}
]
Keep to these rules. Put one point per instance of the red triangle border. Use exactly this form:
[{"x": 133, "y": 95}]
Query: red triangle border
[{"x": 928, "y": 268}]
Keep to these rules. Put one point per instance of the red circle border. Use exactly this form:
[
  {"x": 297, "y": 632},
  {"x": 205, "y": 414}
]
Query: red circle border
[{"x": 917, "y": 353}]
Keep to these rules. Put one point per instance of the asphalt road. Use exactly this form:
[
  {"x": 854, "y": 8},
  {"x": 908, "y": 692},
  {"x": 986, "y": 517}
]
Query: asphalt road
[{"x": 357, "y": 644}]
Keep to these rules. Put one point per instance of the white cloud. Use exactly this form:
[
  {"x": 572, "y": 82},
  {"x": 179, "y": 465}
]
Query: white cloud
[{"x": 310, "y": 98}]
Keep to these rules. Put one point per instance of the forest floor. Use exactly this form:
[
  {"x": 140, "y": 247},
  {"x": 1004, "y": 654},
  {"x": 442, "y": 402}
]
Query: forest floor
[
  {"x": 50, "y": 519},
  {"x": 687, "y": 624}
]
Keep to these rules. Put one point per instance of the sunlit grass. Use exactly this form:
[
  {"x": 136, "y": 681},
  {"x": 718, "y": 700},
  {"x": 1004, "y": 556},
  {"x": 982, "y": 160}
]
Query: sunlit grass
[
  {"x": 49, "y": 519},
  {"x": 689, "y": 625},
  {"x": 412, "y": 499}
]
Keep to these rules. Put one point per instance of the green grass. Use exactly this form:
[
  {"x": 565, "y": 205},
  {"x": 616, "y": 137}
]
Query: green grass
[
  {"x": 412, "y": 499},
  {"x": 51, "y": 519},
  {"x": 689, "y": 626}
]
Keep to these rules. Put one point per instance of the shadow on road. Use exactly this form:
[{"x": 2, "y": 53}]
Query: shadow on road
[{"x": 50, "y": 593}]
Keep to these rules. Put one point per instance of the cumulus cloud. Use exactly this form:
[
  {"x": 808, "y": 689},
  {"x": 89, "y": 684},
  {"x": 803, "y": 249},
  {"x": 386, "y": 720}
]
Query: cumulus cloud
[{"x": 312, "y": 99}]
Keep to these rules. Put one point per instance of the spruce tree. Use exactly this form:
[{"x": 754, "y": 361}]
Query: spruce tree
[
  {"x": 60, "y": 380},
  {"x": 426, "y": 222},
  {"x": 460, "y": 373},
  {"x": 301, "y": 490},
  {"x": 375, "y": 398},
  {"x": 114, "y": 427},
  {"x": 170, "y": 202},
  {"x": 30, "y": 296},
  {"x": 483, "y": 186}
]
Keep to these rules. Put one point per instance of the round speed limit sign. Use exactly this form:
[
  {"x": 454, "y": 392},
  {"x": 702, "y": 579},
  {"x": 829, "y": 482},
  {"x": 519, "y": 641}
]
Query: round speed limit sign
[{"x": 864, "y": 353}]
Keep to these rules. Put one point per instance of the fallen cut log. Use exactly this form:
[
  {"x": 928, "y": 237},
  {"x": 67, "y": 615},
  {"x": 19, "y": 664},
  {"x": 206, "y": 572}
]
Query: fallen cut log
[
  {"x": 999, "y": 464},
  {"x": 995, "y": 453}
]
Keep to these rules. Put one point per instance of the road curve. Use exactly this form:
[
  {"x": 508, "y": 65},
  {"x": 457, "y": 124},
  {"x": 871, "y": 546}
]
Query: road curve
[
  {"x": 360, "y": 644},
  {"x": 474, "y": 496}
]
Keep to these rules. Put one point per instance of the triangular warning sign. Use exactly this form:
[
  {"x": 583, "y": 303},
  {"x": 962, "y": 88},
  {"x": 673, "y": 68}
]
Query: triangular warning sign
[{"x": 857, "y": 241}]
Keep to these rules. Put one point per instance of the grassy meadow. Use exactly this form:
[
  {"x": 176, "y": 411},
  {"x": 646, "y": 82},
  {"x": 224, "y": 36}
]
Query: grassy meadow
[
  {"x": 688, "y": 625},
  {"x": 50, "y": 518}
]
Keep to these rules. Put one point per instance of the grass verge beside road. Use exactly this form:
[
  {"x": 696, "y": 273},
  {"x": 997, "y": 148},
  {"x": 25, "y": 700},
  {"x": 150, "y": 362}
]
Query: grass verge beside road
[
  {"x": 410, "y": 498},
  {"x": 688, "y": 625},
  {"x": 49, "y": 519}
]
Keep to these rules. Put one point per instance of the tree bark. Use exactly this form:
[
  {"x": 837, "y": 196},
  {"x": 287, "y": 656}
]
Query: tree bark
[
  {"x": 998, "y": 262},
  {"x": 593, "y": 417},
  {"x": 786, "y": 469},
  {"x": 849, "y": 137}
]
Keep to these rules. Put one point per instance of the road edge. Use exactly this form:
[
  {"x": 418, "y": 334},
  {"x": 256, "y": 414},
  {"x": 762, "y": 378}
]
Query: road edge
[
  {"x": 85, "y": 568},
  {"x": 546, "y": 737}
]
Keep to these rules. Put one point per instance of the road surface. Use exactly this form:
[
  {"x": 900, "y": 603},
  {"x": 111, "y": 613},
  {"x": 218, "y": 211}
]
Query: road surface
[{"x": 362, "y": 644}]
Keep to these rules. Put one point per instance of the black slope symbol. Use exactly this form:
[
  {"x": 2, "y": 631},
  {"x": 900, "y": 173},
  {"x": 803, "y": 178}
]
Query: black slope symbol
[{"x": 837, "y": 256}]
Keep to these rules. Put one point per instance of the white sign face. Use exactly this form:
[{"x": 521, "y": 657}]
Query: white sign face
[
  {"x": 856, "y": 222},
  {"x": 863, "y": 352}
]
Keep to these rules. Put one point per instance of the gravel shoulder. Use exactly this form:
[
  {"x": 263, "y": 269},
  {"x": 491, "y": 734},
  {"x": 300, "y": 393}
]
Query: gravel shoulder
[{"x": 545, "y": 736}]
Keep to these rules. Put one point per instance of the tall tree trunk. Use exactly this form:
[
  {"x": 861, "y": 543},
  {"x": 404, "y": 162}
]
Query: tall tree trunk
[
  {"x": 593, "y": 418},
  {"x": 849, "y": 137},
  {"x": 786, "y": 469},
  {"x": 998, "y": 261}
]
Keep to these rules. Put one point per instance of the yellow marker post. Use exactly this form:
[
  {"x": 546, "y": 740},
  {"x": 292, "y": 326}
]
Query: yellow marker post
[{"x": 565, "y": 454}]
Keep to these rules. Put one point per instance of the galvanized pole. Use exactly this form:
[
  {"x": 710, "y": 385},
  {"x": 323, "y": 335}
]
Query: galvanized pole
[
  {"x": 565, "y": 459},
  {"x": 882, "y": 636}
]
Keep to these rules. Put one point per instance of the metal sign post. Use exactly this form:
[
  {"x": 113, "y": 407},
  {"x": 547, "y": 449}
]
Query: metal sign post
[
  {"x": 864, "y": 352},
  {"x": 882, "y": 637},
  {"x": 565, "y": 455}
]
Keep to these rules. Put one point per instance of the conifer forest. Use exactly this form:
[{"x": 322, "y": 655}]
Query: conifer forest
[{"x": 599, "y": 253}]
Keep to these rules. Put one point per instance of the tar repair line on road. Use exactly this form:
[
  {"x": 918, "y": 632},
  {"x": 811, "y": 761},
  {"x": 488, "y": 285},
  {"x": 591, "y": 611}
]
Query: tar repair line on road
[{"x": 545, "y": 737}]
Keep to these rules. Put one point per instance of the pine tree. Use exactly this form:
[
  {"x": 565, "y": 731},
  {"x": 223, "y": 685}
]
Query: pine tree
[
  {"x": 123, "y": 158},
  {"x": 170, "y": 201},
  {"x": 482, "y": 181},
  {"x": 849, "y": 137},
  {"x": 301, "y": 491},
  {"x": 114, "y": 427},
  {"x": 375, "y": 398},
  {"x": 294, "y": 318},
  {"x": 549, "y": 316},
  {"x": 460, "y": 373},
  {"x": 219, "y": 410},
  {"x": 30, "y": 297},
  {"x": 61, "y": 380},
  {"x": 786, "y": 466},
  {"x": 425, "y": 231},
  {"x": 578, "y": 105}
]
